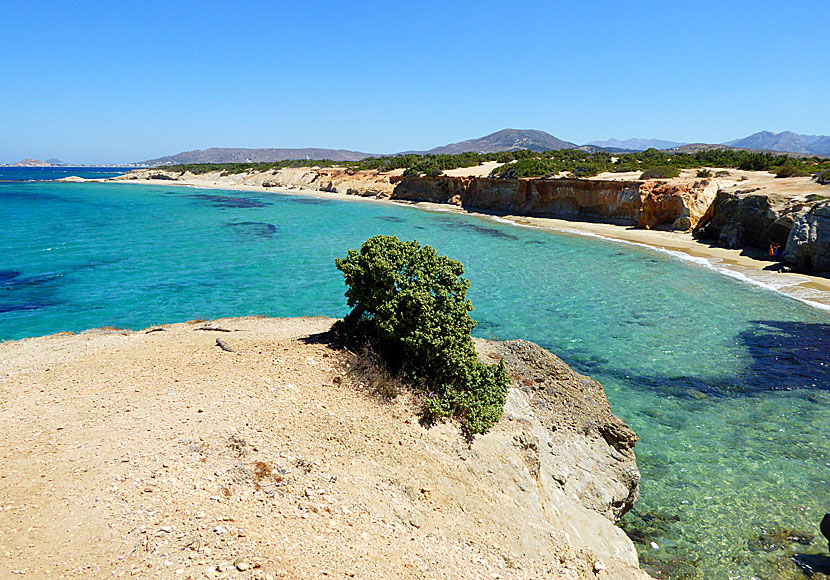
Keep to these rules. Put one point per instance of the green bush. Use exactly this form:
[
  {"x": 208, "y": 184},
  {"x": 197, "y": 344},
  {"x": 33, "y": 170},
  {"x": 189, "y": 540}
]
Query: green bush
[
  {"x": 704, "y": 173},
  {"x": 410, "y": 306},
  {"x": 660, "y": 172},
  {"x": 790, "y": 170},
  {"x": 823, "y": 177}
]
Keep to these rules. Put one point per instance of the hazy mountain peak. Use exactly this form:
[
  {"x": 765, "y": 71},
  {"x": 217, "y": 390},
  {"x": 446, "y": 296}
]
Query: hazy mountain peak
[
  {"x": 507, "y": 140},
  {"x": 786, "y": 141}
]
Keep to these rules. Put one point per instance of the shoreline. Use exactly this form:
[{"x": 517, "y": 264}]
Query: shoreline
[{"x": 739, "y": 264}]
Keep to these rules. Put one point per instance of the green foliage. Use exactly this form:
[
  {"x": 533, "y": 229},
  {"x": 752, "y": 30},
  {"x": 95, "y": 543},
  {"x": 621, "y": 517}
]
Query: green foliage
[
  {"x": 823, "y": 177},
  {"x": 410, "y": 305},
  {"x": 704, "y": 173},
  {"x": 789, "y": 169},
  {"x": 660, "y": 172}
]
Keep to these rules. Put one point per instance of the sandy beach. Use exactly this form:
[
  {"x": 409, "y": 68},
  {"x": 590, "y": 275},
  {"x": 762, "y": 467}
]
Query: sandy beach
[{"x": 748, "y": 265}]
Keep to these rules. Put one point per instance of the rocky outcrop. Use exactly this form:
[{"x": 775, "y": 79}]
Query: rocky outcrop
[
  {"x": 645, "y": 204},
  {"x": 808, "y": 244},
  {"x": 278, "y": 455},
  {"x": 748, "y": 219},
  {"x": 335, "y": 180},
  {"x": 571, "y": 439}
]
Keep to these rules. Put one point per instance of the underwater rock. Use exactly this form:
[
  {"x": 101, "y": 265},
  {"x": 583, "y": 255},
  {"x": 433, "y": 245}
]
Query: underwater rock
[{"x": 780, "y": 539}]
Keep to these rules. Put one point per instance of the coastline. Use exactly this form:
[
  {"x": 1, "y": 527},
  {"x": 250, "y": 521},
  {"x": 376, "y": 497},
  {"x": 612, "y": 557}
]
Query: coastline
[{"x": 745, "y": 265}]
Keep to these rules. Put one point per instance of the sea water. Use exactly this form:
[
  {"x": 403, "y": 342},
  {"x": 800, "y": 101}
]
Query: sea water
[{"x": 727, "y": 384}]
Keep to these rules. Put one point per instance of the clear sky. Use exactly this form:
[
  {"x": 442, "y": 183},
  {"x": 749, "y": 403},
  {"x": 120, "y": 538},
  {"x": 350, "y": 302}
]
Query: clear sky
[{"x": 99, "y": 81}]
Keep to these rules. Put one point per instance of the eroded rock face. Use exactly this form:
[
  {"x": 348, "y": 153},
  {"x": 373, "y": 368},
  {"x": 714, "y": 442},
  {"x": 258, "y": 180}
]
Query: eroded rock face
[
  {"x": 808, "y": 245},
  {"x": 647, "y": 204},
  {"x": 740, "y": 220},
  {"x": 681, "y": 205},
  {"x": 574, "y": 441}
]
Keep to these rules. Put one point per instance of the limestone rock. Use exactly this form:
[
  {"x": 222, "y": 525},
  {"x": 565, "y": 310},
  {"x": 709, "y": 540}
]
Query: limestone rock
[
  {"x": 748, "y": 219},
  {"x": 808, "y": 245}
]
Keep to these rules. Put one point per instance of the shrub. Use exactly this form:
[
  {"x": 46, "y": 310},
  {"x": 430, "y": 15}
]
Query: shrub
[
  {"x": 823, "y": 177},
  {"x": 410, "y": 306},
  {"x": 704, "y": 173},
  {"x": 660, "y": 172},
  {"x": 790, "y": 170},
  {"x": 722, "y": 173}
]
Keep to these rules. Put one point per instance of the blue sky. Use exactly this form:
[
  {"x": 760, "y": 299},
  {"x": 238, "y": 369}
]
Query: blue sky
[{"x": 118, "y": 82}]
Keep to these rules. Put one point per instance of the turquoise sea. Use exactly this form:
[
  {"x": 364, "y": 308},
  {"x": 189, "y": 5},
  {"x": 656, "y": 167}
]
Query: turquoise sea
[{"x": 727, "y": 384}]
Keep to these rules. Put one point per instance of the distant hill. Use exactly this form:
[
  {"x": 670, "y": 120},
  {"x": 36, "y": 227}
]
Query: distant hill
[
  {"x": 786, "y": 141},
  {"x": 507, "y": 140},
  {"x": 31, "y": 163},
  {"x": 635, "y": 144},
  {"x": 57, "y": 162},
  {"x": 224, "y": 155}
]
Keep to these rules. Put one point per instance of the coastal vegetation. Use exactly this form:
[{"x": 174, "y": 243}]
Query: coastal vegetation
[
  {"x": 525, "y": 163},
  {"x": 660, "y": 172},
  {"x": 410, "y": 307}
]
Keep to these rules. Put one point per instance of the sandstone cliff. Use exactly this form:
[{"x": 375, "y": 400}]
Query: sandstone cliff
[
  {"x": 158, "y": 453},
  {"x": 646, "y": 204}
]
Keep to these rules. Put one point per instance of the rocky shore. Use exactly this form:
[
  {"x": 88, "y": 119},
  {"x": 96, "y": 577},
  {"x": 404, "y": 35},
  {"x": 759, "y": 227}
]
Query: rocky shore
[{"x": 162, "y": 454}]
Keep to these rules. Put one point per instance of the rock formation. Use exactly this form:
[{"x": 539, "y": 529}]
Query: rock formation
[
  {"x": 808, "y": 244},
  {"x": 748, "y": 219},
  {"x": 645, "y": 204}
]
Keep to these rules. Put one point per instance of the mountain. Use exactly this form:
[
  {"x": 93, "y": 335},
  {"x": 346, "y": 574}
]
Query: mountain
[
  {"x": 224, "y": 155},
  {"x": 507, "y": 140},
  {"x": 56, "y": 162},
  {"x": 635, "y": 144},
  {"x": 786, "y": 141},
  {"x": 31, "y": 163}
]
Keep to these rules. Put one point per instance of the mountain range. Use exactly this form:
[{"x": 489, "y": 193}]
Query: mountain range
[
  {"x": 786, "y": 141},
  {"x": 232, "y": 155},
  {"x": 504, "y": 140}
]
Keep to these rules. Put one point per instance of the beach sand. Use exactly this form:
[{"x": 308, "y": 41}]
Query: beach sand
[{"x": 749, "y": 265}]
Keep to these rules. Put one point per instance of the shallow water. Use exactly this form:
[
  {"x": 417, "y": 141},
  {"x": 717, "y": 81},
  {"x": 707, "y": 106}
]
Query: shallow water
[{"x": 727, "y": 384}]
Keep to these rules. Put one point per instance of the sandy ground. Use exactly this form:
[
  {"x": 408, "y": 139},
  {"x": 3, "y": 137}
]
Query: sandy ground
[
  {"x": 482, "y": 170},
  {"x": 157, "y": 454},
  {"x": 749, "y": 264}
]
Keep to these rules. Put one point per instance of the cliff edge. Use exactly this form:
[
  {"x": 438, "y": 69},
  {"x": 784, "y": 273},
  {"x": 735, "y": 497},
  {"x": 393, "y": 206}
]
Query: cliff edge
[{"x": 167, "y": 453}]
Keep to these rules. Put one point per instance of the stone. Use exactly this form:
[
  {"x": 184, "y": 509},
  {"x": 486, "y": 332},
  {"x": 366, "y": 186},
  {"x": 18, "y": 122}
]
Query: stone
[
  {"x": 241, "y": 564},
  {"x": 808, "y": 245}
]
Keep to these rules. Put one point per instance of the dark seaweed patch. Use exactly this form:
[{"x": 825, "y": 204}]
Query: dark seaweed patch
[
  {"x": 451, "y": 224},
  {"x": 535, "y": 242},
  {"x": 228, "y": 201},
  {"x": 308, "y": 200},
  {"x": 389, "y": 218},
  {"x": 23, "y": 306},
  {"x": 788, "y": 355},
  {"x": 255, "y": 229},
  {"x": 8, "y": 275}
]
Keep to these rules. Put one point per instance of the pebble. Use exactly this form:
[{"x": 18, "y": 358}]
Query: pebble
[{"x": 241, "y": 564}]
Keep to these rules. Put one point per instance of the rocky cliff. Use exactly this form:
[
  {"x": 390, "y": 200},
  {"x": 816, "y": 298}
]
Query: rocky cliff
[
  {"x": 808, "y": 243},
  {"x": 645, "y": 204},
  {"x": 749, "y": 219}
]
